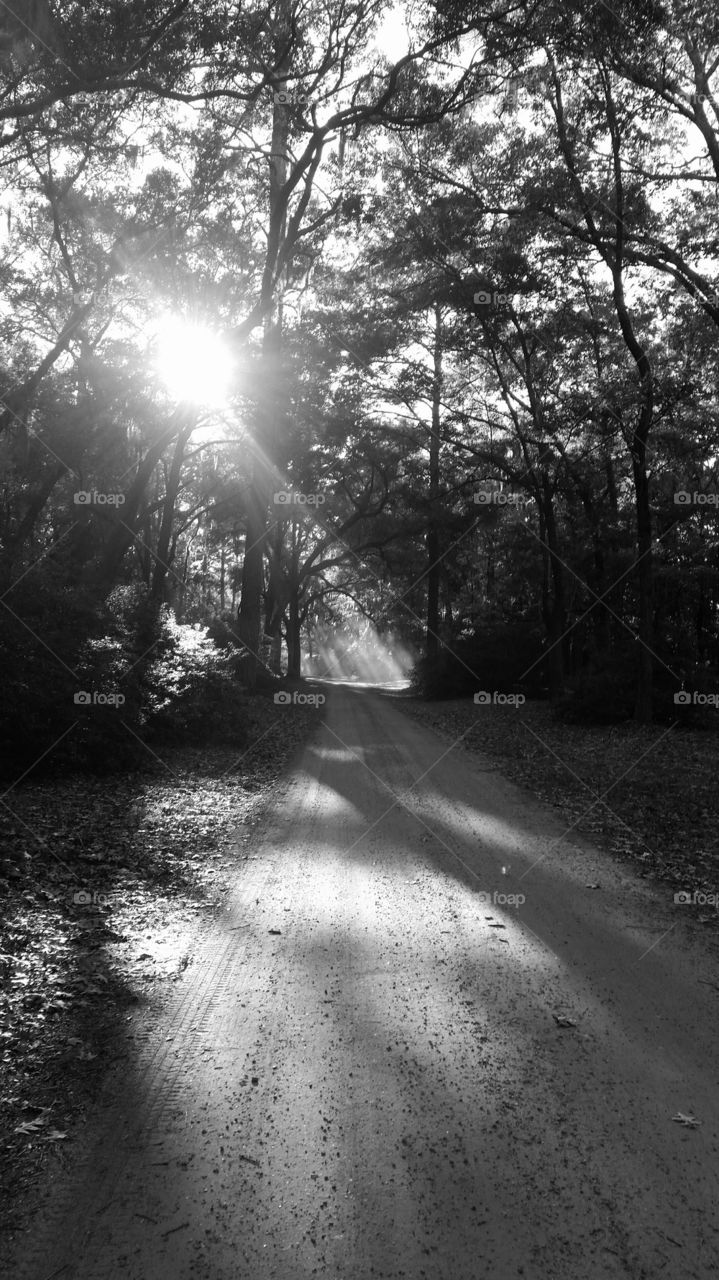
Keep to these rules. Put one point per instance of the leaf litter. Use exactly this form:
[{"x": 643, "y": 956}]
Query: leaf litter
[
  {"x": 106, "y": 884},
  {"x": 662, "y": 802}
]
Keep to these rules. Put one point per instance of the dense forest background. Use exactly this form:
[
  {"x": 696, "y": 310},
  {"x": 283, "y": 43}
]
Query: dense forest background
[{"x": 340, "y": 337}]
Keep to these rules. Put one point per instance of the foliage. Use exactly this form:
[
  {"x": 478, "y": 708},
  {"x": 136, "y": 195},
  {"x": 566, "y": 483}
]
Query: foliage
[
  {"x": 192, "y": 695},
  {"x": 129, "y": 676},
  {"x": 601, "y": 697},
  {"x": 152, "y": 851},
  {"x": 531, "y": 323},
  {"x": 504, "y": 655}
]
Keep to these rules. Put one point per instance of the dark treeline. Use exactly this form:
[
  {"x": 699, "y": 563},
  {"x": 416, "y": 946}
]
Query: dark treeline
[{"x": 463, "y": 275}]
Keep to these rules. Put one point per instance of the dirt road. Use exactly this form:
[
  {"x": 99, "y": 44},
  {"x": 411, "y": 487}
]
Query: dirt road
[{"x": 364, "y": 1075}]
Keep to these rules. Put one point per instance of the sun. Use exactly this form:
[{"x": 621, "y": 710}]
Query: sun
[{"x": 193, "y": 363}]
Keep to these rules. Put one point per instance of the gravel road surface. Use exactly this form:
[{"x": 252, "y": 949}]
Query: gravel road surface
[{"x": 416, "y": 1043}]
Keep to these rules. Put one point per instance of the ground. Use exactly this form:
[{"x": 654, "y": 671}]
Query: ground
[{"x": 410, "y": 1026}]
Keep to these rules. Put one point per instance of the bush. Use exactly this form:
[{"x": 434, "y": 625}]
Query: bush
[
  {"x": 599, "y": 697},
  {"x": 223, "y": 631},
  {"x": 702, "y": 679},
  {"x": 494, "y": 658},
  {"x": 138, "y": 675},
  {"x": 40, "y": 641},
  {"x": 192, "y": 694},
  {"x": 607, "y": 695}
]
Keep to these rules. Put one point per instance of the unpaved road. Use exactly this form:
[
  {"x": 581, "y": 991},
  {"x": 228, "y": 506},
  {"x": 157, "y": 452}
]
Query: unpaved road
[{"x": 381, "y": 1089}]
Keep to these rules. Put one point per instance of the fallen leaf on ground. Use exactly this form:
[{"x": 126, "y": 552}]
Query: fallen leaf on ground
[{"x": 32, "y": 1126}]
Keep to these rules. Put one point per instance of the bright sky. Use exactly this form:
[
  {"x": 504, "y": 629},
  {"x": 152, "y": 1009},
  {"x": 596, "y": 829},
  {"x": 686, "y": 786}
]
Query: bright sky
[
  {"x": 393, "y": 38},
  {"x": 396, "y": 35}
]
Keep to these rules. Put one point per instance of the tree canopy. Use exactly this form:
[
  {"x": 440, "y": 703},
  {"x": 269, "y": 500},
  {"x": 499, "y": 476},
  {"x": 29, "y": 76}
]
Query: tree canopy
[{"x": 320, "y": 317}]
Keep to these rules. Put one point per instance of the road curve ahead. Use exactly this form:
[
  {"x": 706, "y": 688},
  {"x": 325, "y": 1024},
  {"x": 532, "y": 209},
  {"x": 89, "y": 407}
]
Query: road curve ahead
[{"x": 385, "y": 1064}]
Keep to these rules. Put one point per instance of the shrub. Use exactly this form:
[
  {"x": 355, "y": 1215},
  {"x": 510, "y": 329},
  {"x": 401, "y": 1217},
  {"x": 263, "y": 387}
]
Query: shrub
[
  {"x": 223, "y": 631},
  {"x": 192, "y": 694},
  {"x": 173, "y": 682},
  {"x": 599, "y": 697},
  {"x": 495, "y": 658},
  {"x": 607, "y": 695},
  {"x": 40, "y": 672}
]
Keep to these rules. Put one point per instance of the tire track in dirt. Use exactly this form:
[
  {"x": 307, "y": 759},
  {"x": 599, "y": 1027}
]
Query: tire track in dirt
[
  {"x": 365, "y": 1076},
  {"x": 67, "y": 1241}
]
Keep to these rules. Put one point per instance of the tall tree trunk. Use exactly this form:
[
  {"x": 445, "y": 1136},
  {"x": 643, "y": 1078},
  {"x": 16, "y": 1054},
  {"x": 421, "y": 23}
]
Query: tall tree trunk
[
  {"x": 168, "y": 515},
  {"x": 275, "y": 663},
  {"x": 553, "y": 606},
  {"x": 180, "y": 606},
  {"x": 643, "y": 708},
  {"x": 645, "y": 580},
  {"x": 276, "y": 595},
  {"x": 262, "y": 482},
  {"x": 558, "y": 611},
  {"x": 249, "y": 614},
  {"x": 294, "y": 651},
  {"x": 433, "y": 644},
  {"x": 614, "y": 258},
  {"x": 125, "y": 524},
  {"x": 490, "y": 580},
  {"x": 205, "y": 578},
  {"x": 601, "y": 629}
]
